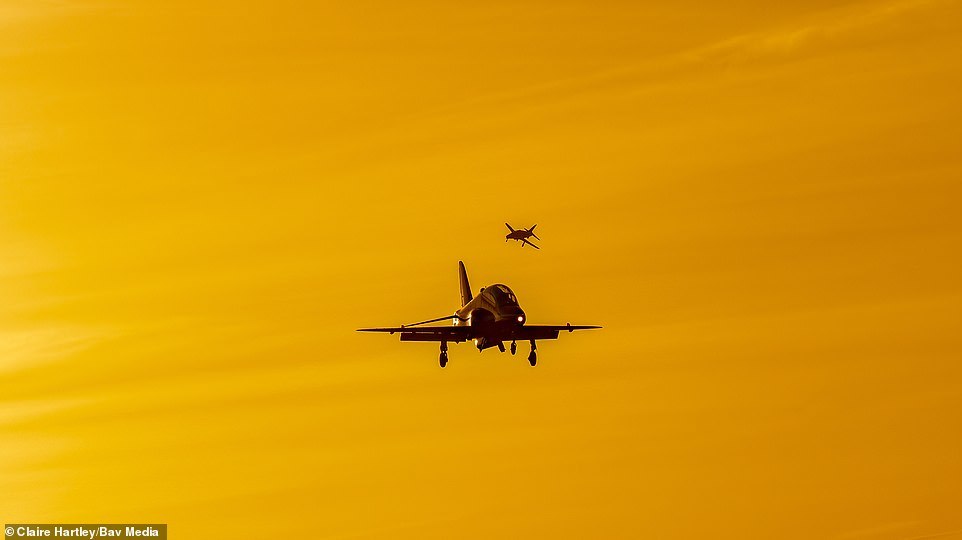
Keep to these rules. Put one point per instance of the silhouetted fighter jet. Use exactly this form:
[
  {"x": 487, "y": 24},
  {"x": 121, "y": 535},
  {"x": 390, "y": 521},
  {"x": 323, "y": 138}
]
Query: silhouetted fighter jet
[
  {"x": 489, "y": 319},
  {"x": 522, "y": 235}
]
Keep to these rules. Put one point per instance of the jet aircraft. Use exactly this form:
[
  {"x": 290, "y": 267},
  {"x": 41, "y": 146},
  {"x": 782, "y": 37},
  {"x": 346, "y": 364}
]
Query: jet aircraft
[
  {"x": 490, "y": 319},
  {"x": 522, "y": 235}
]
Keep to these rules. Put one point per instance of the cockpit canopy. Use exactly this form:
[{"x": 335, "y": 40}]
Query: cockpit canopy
[{"x": 503, "y": 295}]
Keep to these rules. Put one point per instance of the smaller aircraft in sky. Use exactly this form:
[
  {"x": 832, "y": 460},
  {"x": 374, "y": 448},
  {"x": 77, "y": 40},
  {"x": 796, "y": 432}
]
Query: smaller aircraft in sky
[{"x": 522, "y": 235}]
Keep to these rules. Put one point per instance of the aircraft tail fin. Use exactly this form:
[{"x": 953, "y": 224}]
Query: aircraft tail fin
[{"x": 465, "y": 286}]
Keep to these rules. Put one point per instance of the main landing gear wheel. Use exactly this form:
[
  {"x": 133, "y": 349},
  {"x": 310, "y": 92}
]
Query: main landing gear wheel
[
  {"x": 514, "y": 347},
  {"x": 533, "y": 357},
  {"x": 443, "y": 360}
]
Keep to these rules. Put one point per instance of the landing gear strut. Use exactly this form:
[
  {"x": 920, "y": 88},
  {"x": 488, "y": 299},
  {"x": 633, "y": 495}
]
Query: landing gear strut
[
  {"x": 443, "y": 359},
  {"x": 533, "y": 357},
  {"x": 514, "y": 347}
]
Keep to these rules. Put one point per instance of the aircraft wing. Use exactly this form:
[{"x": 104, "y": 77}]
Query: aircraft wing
[
  {"x": 454, "y": 334},
  {"x": 533, "y": 331},
  {"x": 525, "y": 241},
  {"x": 457, "y": 334}
]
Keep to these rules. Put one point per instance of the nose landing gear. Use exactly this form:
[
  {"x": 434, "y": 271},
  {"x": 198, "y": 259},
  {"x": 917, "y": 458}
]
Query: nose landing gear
[
  {"x": 514, "y": 347},
  {"x": 533, "y": 357}
]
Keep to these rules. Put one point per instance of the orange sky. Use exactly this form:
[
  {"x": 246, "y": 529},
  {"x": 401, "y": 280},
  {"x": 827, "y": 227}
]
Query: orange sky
[{"x": 200, "y": 201}]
